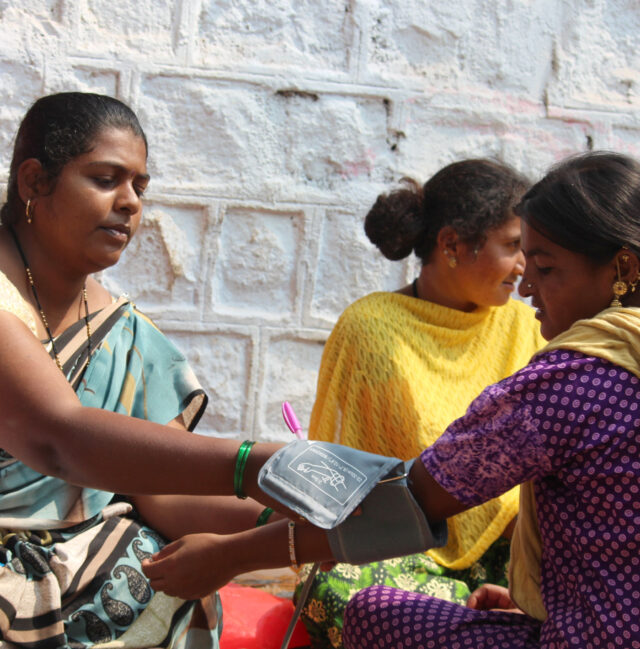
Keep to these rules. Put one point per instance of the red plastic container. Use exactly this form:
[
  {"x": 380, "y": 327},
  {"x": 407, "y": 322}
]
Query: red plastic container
[{"x": 253, "y": 619}]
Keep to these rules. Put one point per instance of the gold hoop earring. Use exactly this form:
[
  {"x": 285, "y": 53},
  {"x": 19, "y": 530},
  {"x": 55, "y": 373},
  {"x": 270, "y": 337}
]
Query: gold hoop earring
[
  {"x": 619, "y": 287},
  {"x": 29, "y": 212}
]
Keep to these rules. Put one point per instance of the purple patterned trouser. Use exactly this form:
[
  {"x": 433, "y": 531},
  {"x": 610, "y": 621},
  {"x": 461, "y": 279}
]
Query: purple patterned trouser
[{"x": 380, "y": 617}]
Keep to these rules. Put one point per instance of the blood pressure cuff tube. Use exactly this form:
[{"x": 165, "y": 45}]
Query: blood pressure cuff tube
[{"x": 324, "y": 483}]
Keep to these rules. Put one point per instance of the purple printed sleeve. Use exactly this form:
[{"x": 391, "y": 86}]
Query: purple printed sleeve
[
  {"x": 550, "y": 417},
  {"x": 497, "y": 444}
]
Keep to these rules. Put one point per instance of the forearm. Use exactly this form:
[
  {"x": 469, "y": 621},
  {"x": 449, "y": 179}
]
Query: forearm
[
  {"x": 148, "y": 458},
  {"x": 151, "y": 459},
  {"x": 175, "y": 516},
  {"x": 268, "y": 546},
  {"x": 251, "y": 488},
  {"x": 198, "y": 564}
]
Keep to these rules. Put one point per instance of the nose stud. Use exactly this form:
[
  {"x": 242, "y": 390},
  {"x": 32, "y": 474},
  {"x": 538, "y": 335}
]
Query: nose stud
[{"x": 529, "y": 285}]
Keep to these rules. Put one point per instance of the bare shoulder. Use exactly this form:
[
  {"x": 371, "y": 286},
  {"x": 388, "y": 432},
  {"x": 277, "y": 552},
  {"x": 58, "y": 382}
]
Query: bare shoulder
[
  {"x": 17, "y": 342},
  {"x": 26, "y": 368},
  {"x": 10, "y": 264}
]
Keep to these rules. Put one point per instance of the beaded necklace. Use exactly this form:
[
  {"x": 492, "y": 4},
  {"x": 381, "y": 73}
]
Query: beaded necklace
[{"x": 42, "y": 315}]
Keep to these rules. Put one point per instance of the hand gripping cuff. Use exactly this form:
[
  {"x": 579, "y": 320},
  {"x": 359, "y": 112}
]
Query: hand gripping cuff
[{"x": 324, "y": 483}]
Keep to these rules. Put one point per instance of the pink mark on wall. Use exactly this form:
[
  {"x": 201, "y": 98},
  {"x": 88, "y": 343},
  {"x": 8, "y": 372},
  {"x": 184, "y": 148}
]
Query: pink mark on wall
[{"x": 355, "y": 168}]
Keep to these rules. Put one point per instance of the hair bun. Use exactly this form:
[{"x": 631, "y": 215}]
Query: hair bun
[{"x": 395, "y": 223}]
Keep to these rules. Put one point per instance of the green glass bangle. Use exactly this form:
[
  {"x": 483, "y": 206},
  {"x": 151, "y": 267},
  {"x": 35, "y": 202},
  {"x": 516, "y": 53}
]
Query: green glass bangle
[
  {"x": 264, "y": 516},
  {"x": 241, "y": 465}
]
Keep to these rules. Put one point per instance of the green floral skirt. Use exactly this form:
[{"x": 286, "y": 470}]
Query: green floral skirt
[{"x": 322, "y": 614}]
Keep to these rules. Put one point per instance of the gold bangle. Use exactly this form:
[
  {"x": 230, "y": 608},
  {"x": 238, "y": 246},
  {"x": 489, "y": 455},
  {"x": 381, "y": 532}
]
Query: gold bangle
[{"x": 292, "y": 545}]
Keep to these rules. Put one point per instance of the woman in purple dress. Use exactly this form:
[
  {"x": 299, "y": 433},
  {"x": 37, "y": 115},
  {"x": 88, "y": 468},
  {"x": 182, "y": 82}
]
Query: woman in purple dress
[{"x": 567, "y": 426}]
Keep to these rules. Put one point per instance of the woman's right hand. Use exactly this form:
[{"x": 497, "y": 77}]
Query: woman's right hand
[
  {"x": 198, "y": 564},
  {"x": 191, "y": 567}
]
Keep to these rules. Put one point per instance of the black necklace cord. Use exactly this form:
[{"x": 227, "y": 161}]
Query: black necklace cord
[{"x": 43, "y": 317}]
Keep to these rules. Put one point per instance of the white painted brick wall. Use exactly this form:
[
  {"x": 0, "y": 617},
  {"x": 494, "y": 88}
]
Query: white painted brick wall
[{"x": 274, "y": 125}]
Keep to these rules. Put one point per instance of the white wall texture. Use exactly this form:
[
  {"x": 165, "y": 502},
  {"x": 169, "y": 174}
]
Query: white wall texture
[{"x": 274, "y": 125}]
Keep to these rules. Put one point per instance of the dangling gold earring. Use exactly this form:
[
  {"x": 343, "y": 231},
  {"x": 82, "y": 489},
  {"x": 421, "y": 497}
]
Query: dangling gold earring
[
  {"x": 634, "y": 285},
  {"x": 619, "y": 287},
  {"x": 452, "y": 261},
  {"x": 29, "y": 212}
]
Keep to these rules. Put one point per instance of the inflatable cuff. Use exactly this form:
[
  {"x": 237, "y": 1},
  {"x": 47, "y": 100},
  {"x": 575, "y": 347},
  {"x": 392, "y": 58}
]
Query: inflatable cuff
[{"x": 324, "y": 483}]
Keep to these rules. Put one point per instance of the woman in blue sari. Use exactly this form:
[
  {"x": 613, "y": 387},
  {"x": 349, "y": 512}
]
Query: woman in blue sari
[{"x": 95, "y": 402}]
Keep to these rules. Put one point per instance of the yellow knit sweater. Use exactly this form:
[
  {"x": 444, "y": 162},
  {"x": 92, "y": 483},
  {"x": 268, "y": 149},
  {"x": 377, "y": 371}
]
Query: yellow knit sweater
[{"x": 396, "y": 371}]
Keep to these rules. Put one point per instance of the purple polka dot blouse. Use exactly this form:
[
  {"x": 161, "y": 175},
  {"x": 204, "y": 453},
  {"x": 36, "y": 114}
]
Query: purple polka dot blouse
[{"x": 572, "y": 424}]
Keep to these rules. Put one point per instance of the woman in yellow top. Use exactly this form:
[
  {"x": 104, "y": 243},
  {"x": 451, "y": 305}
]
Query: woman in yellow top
[{"x": 413, "y": 360}]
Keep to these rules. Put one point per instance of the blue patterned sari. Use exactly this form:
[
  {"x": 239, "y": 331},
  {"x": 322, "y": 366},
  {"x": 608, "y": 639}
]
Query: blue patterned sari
[{"x": 71, "y": 575}]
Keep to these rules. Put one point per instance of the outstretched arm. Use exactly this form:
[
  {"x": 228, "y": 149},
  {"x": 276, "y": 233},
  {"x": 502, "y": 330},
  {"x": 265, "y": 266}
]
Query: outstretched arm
[
  {"x": 54, "y": 434},
  {"x": 176, "y": 515},
  {"x": 198, "y": 564}
]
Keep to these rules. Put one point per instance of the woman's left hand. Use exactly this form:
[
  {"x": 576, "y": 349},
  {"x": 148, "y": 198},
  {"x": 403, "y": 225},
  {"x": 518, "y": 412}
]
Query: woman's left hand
[
  {"x": 191, "y": 567},
  {"x": 490, "y": 597}
]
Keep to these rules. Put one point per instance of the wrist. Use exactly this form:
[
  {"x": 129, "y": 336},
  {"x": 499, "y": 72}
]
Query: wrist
[
  {"x": 237, "y": 550},
  {"x": 264, "y": 516},
  {"x": 261, "y": 548},
  {"x": 260, "y": 453}
]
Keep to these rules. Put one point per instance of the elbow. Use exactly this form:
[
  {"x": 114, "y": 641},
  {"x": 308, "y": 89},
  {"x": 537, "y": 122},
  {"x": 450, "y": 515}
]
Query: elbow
[
  {"x": 44, "y": 448},
  {"x": 49, "y": 459}
]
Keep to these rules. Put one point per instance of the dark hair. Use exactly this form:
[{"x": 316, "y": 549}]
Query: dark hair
[
  {"x": 588, "y": 204},
  {"x": 472, "y": 196},
  {"x": 58, "y": 128}
]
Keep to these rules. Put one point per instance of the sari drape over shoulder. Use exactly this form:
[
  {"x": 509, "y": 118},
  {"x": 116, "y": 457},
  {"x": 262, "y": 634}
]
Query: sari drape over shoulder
[{"x": 71, "y": 556}]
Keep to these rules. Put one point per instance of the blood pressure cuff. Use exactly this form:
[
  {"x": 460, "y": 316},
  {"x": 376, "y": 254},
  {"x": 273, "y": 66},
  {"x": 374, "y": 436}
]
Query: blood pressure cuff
[{"x": 324, "y": 483}]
